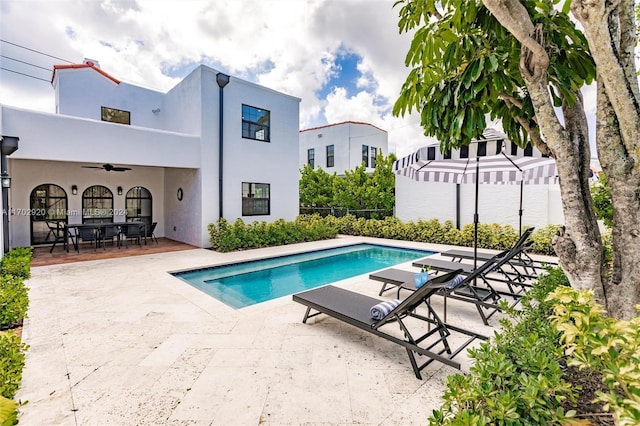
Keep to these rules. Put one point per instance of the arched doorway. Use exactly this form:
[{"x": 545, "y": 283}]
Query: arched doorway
[
  {"x": 138, "y": 204},
  {"x": 97, "y": 205},
  {"x": 48, "y": 202}
]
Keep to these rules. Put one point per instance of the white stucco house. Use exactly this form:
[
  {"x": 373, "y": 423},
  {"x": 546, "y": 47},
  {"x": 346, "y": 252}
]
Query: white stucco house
[
  {"x": 214, "y": 145},
  {"x": 342, "y": 146}
]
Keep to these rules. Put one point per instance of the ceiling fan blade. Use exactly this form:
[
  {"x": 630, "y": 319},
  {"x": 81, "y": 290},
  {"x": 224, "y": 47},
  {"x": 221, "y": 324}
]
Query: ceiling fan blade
[
  {"x": 91, "y": 167},
  {"x": 120, "y": 169}
]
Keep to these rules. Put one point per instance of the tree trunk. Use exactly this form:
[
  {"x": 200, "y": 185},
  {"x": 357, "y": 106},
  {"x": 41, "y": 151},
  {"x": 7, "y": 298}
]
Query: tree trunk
[
  {"x": 618, "y": 142},
  {"x": 578, "y": 245}
]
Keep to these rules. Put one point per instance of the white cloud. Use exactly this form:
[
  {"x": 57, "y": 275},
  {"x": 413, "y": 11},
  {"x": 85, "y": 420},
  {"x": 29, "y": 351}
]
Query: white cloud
[{"x": 287, "y": 45}]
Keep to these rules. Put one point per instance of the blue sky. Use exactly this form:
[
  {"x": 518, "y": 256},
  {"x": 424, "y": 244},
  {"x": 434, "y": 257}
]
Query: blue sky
[{"x": 343, "y": 58}]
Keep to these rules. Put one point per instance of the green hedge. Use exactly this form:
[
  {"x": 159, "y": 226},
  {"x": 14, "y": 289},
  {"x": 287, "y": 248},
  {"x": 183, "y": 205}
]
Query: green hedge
[
  {"x": 227, "y": 237},
  {"x": 15, "y": 267}
]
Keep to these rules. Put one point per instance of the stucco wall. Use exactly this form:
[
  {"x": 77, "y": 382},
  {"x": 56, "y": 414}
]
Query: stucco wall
[
  {"x": 496, "y": 203},
  {"x": 183, "y": 217}
]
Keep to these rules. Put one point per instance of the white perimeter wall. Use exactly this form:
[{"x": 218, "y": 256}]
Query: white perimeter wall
[
  {"x": 496, "y": 203},
  {"x": 27, "y": 174}
]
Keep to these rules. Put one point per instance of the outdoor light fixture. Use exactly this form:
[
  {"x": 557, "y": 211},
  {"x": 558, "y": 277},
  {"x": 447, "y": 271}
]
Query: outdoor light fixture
[
  {"x": 74, "y": 189},
  {"x": 156, "y": 111},
  {"x": 119, "y": 190},
  {"x": 6, "y": 179}
]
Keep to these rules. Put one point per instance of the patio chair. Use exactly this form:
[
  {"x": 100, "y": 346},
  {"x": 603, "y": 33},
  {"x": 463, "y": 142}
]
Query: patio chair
[
  {"x": 109, "y": 232},
  {"x": 500, "y": 267},
  {"x": 150, "y": 232},
  {"x": 84, "y": 233},
  {"x": 57, "y": 231},
  {"x": 355, "y": 309},
  {"x": 133, "y": 231},
  {"x": 484, "y": 297},
  {"x": 523, "y": 260}
]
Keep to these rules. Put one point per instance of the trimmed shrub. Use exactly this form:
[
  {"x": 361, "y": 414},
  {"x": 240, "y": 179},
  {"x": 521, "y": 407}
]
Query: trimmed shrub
[
  {"x": 12, "y": 352},
  {"x": 542, "y": 239},
  {"x": 17, "y": 262},
  {"x": 14, "y": 301},
  {"x": 225, "y": 237},
  {"x": 516, "y": 377}
]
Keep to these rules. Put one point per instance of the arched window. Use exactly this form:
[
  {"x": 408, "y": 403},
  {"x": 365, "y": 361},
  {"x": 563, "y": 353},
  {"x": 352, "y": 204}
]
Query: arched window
[
  {"x": 48, "y": 202},
  {"x": 138, "y": 203},
  {"x": 97, "y": 205}
]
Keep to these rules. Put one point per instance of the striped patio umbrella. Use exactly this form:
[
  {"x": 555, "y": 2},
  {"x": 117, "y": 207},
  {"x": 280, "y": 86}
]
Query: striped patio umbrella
[{"x": 483, "y": 161}]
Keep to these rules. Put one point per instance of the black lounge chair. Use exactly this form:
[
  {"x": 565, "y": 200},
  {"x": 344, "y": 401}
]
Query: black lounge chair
[
  {"x": 354, "y": 309},
  {"x": 485, "y": 297},
  {"x": 522, "y": 260},
  {"x": 498, "y": 265}
]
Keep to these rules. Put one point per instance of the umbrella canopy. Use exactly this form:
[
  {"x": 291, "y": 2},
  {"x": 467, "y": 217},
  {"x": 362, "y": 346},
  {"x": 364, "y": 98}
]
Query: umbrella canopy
[{"x": 483, "y": 161}]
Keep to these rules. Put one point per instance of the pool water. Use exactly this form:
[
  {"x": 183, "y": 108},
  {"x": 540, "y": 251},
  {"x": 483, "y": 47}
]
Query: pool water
[{"x": 244, "y": 284}]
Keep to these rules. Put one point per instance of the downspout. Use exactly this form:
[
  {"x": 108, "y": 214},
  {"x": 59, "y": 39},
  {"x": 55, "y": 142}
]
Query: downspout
[{"x": 222, "y": 80}]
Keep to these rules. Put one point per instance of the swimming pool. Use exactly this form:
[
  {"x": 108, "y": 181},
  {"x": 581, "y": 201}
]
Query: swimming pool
[{"x": 244, "y": 284}]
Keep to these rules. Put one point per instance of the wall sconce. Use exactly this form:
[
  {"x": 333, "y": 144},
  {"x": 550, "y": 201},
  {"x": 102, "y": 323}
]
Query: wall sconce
[
  {"x": 6, "y": 179},
  {"x": 119, "y": 190},
  {"x": 74, "y": 189},
  {"x": 156, "y": 111}
]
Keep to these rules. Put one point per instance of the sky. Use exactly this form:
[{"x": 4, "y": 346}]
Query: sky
[{"x": 343, "y": 58}]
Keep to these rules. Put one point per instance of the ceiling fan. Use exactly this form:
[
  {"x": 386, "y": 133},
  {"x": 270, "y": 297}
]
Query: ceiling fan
[{"x": 108, "y": 168}]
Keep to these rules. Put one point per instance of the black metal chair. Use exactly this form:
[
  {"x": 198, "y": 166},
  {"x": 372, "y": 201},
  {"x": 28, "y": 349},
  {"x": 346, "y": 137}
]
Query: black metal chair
[
  {"x": 57, "y": 231},
  {"x": 150, "y": 232},
  {"x": 133, "y": 231},
  {"x": 109, "y": 232},
  {"x": 84, "y": 233}
]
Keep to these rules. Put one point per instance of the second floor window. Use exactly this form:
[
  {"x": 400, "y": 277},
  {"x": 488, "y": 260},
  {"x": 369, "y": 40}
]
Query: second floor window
[
  {"x": 115, "y": 115},
  {"x": 311, "y": 157},
  {"x": 374, "y": 154},
  {"x": 365, "y": 155},
  {"x": 330, "y": 156},
  {"x": 255, "y": 123}
]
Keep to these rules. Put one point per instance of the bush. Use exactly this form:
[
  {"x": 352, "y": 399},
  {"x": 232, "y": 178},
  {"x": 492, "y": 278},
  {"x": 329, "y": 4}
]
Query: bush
[
  {"x": 8, "y": 411},
  {"x": 11, "y": 363},
  {"x": 595, "y": 341},
  {"x": 14, "y": 301},
  {"x": 17, "y": 262},
  {"x": 516, "y": 377},
  {"x": 542, "y": 239},
  {"x": 225, "y": 237}
]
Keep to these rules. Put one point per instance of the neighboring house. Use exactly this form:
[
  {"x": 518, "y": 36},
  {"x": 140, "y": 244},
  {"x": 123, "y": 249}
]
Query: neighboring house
[
  {"x": 167, "y": 147},
  {"x": 497, "y": 203},
  {"x": 342, "y": 146}
]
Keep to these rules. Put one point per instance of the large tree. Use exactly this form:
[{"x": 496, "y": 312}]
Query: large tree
[{"x": 522, "y": 62}]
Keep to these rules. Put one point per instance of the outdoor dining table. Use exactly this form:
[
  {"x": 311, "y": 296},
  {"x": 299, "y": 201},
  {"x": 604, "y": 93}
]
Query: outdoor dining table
[{"x": 97, "y": 227}]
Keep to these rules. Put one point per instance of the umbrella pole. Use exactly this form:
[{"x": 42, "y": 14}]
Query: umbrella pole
[
  {"x": 475, "y": 217},
  {"x": 520, "y": 211}
]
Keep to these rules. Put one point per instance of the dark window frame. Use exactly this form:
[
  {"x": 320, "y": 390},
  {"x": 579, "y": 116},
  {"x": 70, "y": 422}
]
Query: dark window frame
[
  {"x": 97, "y": 208},
  {"x": 133, "y": 201},
  {"x": 365, "y": 155},
  {"x": 331, "y": 155},
  {"x": 251, "y": 124},
  {"x": 374, "y": 154},
  {"x": 110, "y": 118},
  {"x": 311, "y": 157},
  {"x": 252, "y": 204},
  {"x": 47, "y": 202}
]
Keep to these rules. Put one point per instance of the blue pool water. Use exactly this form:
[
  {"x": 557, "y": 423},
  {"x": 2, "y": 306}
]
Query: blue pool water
[{"x": 247, "y": 283}]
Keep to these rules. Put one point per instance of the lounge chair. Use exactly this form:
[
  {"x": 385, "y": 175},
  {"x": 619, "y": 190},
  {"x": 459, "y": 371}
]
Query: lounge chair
[
  {"x": 354, "y": 309},
  {"x": 500, "y": 266},
  {"x": 485, "y": 297},
  {"x": 528, "y": 265}
]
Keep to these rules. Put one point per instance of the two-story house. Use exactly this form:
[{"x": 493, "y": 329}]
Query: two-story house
[
  {"x": 342, "y": 146},
  {"x": 213, "y": 146}
]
